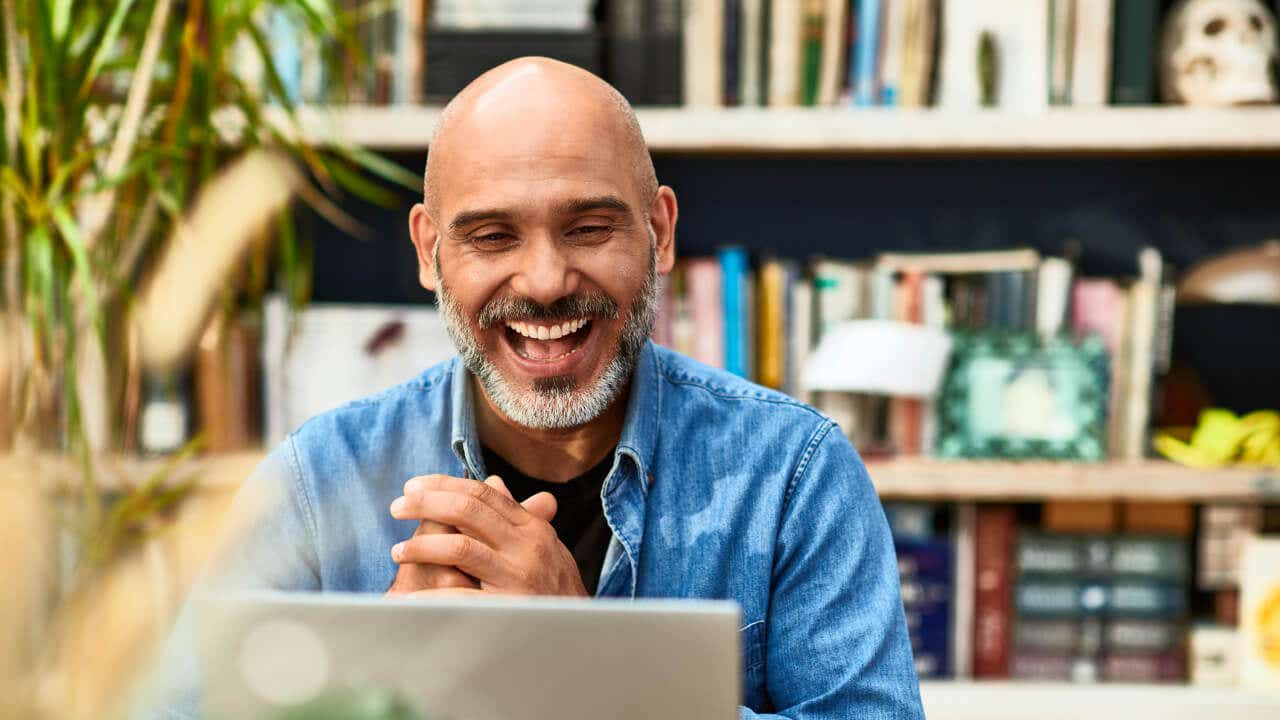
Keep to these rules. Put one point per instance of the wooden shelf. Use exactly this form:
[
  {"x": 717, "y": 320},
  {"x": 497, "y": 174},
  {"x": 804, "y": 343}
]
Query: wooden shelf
[
  {"x": 960, "y": 700},
  {"x": 921, "y": 479},
  {"x": 898, "y": 479},
  {"x": 849, "y": 131}
]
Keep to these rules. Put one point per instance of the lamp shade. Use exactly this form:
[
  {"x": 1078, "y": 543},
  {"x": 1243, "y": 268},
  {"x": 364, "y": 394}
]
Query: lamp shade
[{"x": 879, "y": 357}]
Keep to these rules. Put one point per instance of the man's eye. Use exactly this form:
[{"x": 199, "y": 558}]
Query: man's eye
[
  {"x": 492, "y": 241},
  {"x": 590, "y": 232}
]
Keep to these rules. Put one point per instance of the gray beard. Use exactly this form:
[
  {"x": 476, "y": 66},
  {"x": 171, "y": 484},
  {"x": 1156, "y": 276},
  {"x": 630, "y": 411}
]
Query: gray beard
[{"x": 555, "y": 404}]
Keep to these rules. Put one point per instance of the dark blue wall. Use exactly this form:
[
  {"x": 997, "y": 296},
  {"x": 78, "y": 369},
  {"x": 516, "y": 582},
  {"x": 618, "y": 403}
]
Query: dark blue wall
[{"x": 854, "y": 207}]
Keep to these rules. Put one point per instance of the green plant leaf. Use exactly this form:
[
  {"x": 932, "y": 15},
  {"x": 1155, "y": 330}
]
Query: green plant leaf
[
  {"x": 105, "y": 45},
  {"x": 74, "y": 241},
  {"x": 60, "y": 20},
  {"x": 381, "y": 166}
]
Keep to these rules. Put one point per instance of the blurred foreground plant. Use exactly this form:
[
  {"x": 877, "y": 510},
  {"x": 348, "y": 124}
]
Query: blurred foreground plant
[
  {"x": 144, "y": 174},
  {"x": 108, "y": 112}
]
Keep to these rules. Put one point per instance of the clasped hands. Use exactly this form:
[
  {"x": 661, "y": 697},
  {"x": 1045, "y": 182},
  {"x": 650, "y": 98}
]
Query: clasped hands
[{"x": 474, "y": 538}]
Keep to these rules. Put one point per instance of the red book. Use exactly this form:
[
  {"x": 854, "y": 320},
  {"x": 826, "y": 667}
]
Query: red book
[{"x": 995, "y": 530}]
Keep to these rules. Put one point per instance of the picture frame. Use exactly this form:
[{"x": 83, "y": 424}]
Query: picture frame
[{"x": 1013, "y": 396}]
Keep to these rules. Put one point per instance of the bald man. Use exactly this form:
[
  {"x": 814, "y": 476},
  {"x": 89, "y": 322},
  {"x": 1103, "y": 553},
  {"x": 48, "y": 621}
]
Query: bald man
[{"x": 562, "y": 453}]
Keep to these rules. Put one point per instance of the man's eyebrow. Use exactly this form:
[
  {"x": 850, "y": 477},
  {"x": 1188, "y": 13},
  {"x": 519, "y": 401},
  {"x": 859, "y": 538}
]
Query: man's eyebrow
[
  {"x": 599, "y": 202},
  {"x": 470, "y": 217}
]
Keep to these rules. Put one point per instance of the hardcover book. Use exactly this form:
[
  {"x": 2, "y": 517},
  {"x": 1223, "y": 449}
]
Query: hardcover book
[{"x": 995, "y": 532}]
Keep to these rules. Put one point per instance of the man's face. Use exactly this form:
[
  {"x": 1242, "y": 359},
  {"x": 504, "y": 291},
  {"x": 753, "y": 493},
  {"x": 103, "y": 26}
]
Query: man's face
[{"x": 545, "y": 269}]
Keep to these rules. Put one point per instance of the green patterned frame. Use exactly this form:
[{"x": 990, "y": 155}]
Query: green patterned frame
[{"x": 985, "y": 365}]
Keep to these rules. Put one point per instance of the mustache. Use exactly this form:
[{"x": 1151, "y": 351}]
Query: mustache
[{"x": 569, "y": 307}]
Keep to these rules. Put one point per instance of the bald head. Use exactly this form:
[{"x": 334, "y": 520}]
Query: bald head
[{"x": 528, "y": 100}]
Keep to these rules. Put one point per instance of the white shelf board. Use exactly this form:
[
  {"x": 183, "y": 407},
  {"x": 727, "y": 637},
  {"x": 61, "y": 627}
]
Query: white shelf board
[
  {"x": 961, "y": 700},
  {"x": 923, "y": 479},
  {"x": 1110, "y": 130}
]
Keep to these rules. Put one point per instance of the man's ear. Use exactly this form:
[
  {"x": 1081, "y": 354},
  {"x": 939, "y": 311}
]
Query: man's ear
[
  {"x": 422, "y": 229},
  {"x": 662, "y": 214}
]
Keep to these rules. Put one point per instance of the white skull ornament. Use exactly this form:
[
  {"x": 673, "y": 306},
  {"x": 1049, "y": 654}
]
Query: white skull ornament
[{"x": 1218, "y": 52}]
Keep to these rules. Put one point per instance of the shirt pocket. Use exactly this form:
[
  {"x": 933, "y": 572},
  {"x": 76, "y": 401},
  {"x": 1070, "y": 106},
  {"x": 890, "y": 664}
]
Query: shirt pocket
[{"x": 752, "y": 638}]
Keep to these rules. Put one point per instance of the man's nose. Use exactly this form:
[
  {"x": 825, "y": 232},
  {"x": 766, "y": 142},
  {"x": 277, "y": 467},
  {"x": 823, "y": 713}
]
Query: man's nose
[{"x": 546, "y": 273}]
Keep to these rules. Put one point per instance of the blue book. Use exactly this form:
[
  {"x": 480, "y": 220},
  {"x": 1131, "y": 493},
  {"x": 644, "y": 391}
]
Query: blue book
[
  {"x": 866, "y": 63},
  {"x": 927, "y": 586},
  {"x": 733, "y": 283}
]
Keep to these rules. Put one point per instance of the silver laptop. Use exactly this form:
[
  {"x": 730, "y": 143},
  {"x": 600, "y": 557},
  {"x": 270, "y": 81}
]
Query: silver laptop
[{"x": 263, "y": 655}]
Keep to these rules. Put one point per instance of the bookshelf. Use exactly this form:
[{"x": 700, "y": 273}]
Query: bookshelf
[
  {"x": 845, "y": 131},
  {"x": 960, "y": 700}
]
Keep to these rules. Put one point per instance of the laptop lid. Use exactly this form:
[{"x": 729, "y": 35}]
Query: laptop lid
[{"x": 471, "y": 659}]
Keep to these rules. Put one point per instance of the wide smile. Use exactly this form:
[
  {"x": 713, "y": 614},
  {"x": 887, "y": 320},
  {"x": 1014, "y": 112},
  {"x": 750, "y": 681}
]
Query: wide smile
[{"x": 544, "y": 349}]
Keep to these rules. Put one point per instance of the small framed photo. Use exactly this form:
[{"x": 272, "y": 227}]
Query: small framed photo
[{"x": 1012, "y": 396}]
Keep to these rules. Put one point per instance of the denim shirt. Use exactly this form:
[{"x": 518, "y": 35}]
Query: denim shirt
[{"x": 718, "y": 489}]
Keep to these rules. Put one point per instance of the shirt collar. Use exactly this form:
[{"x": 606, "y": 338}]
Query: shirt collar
[{"x": 639, "y": 430}]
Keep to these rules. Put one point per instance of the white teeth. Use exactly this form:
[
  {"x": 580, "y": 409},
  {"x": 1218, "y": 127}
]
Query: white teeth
[{"x": 543, "y": 332}]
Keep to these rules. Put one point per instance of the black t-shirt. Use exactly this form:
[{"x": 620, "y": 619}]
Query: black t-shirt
[{"x": 579, "y": 519}]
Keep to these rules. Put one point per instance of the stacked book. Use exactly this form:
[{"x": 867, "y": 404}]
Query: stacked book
[
  {"x": 1073, "y": 591},
  {"x": 1110, "y": 608}
]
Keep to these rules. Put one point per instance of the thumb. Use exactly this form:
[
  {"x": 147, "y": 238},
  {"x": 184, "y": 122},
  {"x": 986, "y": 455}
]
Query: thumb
[{"x": 541, "y": 505}]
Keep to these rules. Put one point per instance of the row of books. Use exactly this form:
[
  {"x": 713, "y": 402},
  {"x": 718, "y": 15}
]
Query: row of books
[
  {"x": 765, "y": 323},
  {"x": 912, "y": 53},
  {"x": 1023, "y": 55},
  {"x": 993, "y": 592},
  {"x": 396, "y": 42}
]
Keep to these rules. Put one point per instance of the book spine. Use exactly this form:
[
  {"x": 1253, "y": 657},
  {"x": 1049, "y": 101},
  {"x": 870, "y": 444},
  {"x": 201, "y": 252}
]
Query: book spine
[
  {"x": 925, "y": 576},
  {"x": 965, "y": 590},
  {"x": 811, "y": 52},
  {"x": 1133, "y": 73},
  {"x": 835, "y": 24},
  {"x": 1143, "y": 297},
  {"x": 866, "y": 69},
  {"x": 770, "y": 327},
  {"x": 666, "y": 54},
  {"x": 1061, "y": 41},
  {"x": 1091, "y": 53},
  {"x": 704, "y": 287},
  {"x": 994, "y": 533},
  {"x": 733, "y": 271},
  {"x": 892, "y": 41},
  {"x": 732, "y": 48},
  {"x": 627, "y": 43},
  {"x": 751, "y": 46},
  {"x": 785, "y": 23},
  {"x": 1053, "y": 288},
  {"x": 703, "y": 54}
]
